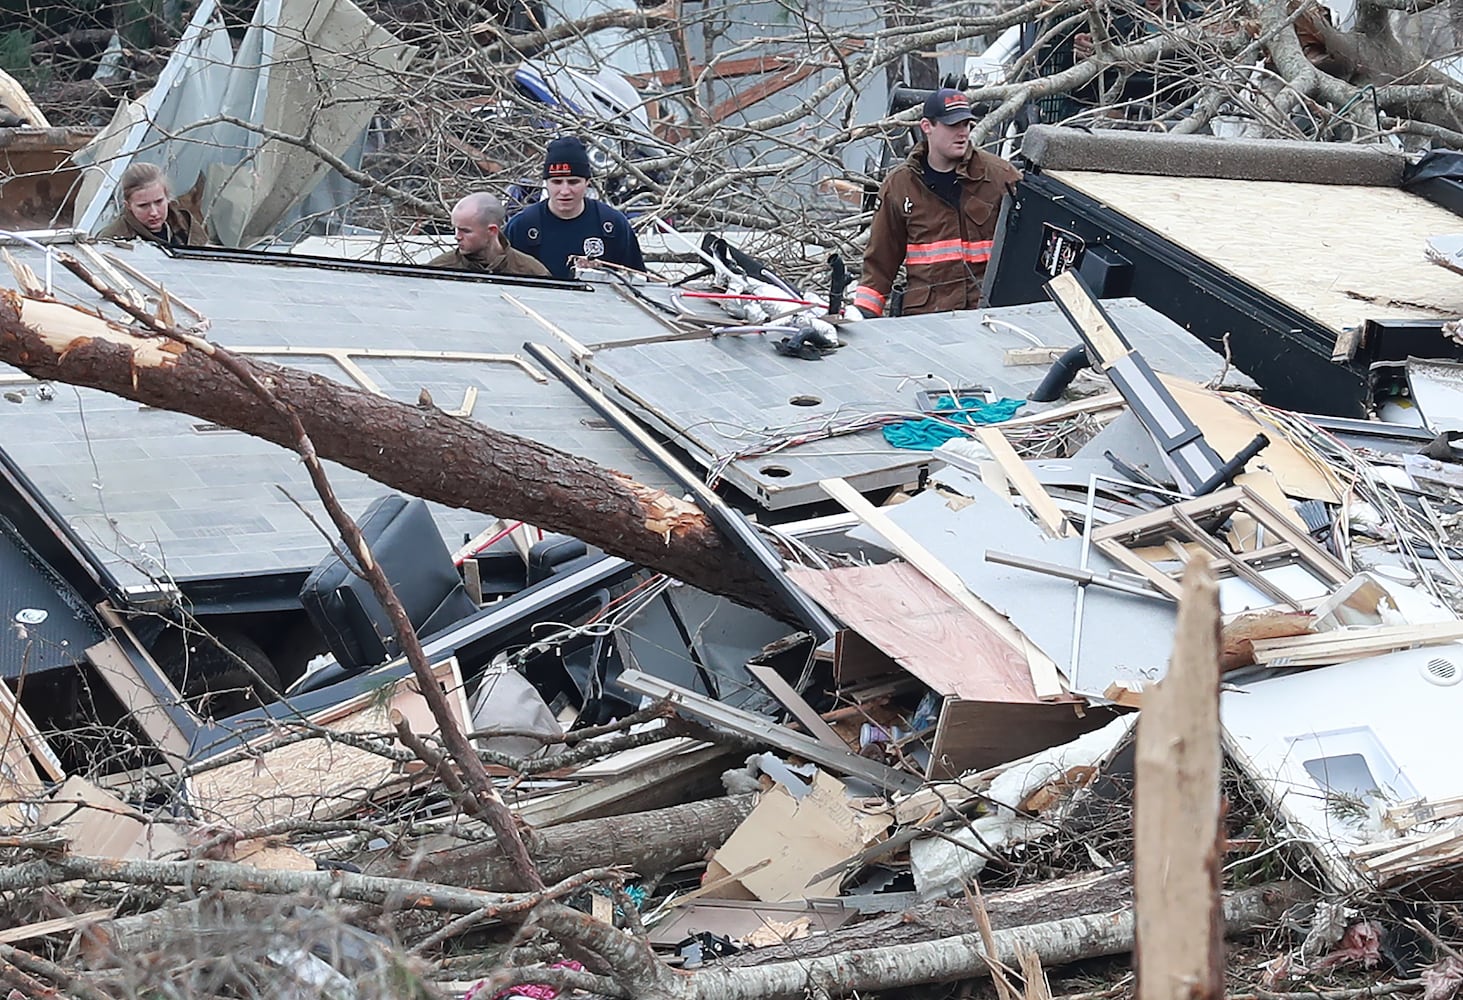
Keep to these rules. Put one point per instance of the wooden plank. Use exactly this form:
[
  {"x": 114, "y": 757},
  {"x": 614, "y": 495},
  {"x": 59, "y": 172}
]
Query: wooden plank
[
  {"x": 784, "y": 692},
  {"x": 122, "y": 286},
  {"x": 1178, "y": 523},
  {"x": 1093, "y": 404},
  {"x": 155, "y": 287},
  {"x": 1016, "y": 356},
  {"x": 1177, "y": 818},
  {"x": 139, "y": 700},
  {"x": 26, "y": 932},
  {"x": 924, "y": 630},
  {"x": 1363, "y": 641},
  {"x": 1088, "y": 317},
  {"x": 1269, "y": 234},
  {"x": 1044, "y": 676},
  {"x": 1419, "y": 811},
  {"x": 20, "y": 785},
  {"x": 14, "y": 719},
  {"x": 1021, "y": 477},
  {"x": 1415, "y": 852}
]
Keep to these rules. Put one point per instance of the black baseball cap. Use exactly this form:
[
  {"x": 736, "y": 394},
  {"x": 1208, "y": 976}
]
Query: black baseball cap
[
  {"x": 567, "y": 157},
  {"x": 948, "y": 106}
]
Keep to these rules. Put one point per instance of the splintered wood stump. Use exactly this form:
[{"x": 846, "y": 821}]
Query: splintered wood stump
[{"x": 1180, "y": 933}]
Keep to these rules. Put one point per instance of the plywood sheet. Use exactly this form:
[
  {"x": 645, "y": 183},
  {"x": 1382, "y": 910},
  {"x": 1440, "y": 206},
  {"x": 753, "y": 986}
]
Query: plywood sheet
[
  {"x": 893, "y": 606},
  {"x": 1340, "y": 254}
]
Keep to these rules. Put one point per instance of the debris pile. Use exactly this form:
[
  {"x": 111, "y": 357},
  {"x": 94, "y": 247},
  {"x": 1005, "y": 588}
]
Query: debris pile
[{"x": 914, "y": 764}]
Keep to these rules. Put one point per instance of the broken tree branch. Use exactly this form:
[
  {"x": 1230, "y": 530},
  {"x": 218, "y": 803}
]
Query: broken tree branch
[
  {"x": 421, "y": 451},
  {"x": 35, "y": 965},
  {"x": 402, "y": 894}
]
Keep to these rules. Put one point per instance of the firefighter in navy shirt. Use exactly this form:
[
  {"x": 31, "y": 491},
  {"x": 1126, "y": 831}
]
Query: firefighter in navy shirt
[{"x": 566, "y": 224}]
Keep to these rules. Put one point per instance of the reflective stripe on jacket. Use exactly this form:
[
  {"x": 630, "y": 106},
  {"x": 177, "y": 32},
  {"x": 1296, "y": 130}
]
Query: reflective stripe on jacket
[{"x": 944, "y": 251}]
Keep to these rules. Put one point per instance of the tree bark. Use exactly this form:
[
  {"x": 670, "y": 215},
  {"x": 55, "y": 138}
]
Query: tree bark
[
  {"x": 401, "y": 894},
  {"x": 418, "y": 450},
  {"x": 648, "y": 843},
  {"x": 1056, "y": 943},
  {"x": 1092, "y": 892}
]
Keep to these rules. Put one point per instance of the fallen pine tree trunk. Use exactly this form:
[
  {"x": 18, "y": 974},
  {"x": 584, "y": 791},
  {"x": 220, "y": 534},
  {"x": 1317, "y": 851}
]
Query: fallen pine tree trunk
[
  {"x": 1058, "y": 942},
  {"x": 416, "y": 449},
  {"x": 648, "y": 843}
]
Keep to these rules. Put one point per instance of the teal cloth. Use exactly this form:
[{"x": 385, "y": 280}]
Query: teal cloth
[{"x": 927, "y": 433}]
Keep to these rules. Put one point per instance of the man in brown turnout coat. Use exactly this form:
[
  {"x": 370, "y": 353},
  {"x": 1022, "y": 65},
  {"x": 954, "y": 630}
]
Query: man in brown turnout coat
[
  {"x": 478, "y": 223},
  {"x": 936, "y": 216},
  {"x": 150, "y": 213}
]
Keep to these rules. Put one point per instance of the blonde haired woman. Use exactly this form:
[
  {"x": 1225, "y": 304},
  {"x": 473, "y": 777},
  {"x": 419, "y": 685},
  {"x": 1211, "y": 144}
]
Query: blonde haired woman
[{"x": 149, "y": 213}]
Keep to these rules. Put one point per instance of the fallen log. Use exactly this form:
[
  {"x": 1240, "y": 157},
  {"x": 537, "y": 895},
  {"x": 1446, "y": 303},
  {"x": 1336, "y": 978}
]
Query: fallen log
[
  {"x": 206, "y": 916},
  {"x": 1073, "y": 896},
  {"x": 648, "y": 843},
  {"x": 417, "y": 449},
  {"x": 1058, "y": 942}
]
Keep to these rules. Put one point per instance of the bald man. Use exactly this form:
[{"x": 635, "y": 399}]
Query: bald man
[{"x": 478, "y": 222}]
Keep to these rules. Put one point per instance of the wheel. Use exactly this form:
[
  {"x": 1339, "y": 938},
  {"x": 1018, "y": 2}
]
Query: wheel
[{"x": 206, "y": 670}]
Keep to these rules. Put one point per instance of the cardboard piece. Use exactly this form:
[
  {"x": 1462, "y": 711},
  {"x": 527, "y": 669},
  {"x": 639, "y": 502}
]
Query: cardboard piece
[
  {"x": 1229, "y": 429},
  {"x": 100, "y": 825},
  {"x": 785, "y": 839}
]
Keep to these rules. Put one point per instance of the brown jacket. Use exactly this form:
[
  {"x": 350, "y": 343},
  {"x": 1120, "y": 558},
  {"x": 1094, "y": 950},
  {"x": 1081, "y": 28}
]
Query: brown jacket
[
  {"x": 180, "y": 229},
  {"x": 513, "y": 262},
  {"x": 944, "y": 251}
]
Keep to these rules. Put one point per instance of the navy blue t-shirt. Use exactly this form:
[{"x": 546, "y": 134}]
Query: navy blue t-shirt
[{"x": 599, "y": 231}]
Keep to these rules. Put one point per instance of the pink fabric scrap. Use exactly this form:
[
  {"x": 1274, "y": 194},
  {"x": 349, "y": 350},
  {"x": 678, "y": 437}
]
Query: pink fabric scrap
[
  {"x": 1441, "y": 981},
  {"x": 1361, "y": 943}
]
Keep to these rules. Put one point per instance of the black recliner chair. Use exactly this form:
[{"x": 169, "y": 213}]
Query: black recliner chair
[{"x": 405, "y": 542}]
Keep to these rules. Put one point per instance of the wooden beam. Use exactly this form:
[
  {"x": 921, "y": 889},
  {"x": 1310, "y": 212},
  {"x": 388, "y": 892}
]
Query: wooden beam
[
  {"x": 152, "y": 705},
  {"x": 1044, "y": 676},
  {"x": 1019, "y": 474},
  {"x": 16, "y": 721},
  {"x": 1323, "y": 648},
  {"x": 784, "y": 692},
  {"x": 25, "y": 932},
  {"x": 1108, "y": 346},
  {"x": 1177, "y": 829}
]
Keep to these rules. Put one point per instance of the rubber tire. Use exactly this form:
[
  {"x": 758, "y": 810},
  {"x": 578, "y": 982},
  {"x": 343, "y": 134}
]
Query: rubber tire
[{"x": 213, "y": 683}]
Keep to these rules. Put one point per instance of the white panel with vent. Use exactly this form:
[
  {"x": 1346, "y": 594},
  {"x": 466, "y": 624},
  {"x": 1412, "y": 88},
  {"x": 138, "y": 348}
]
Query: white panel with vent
[{"x": 1334, "y": 746}]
